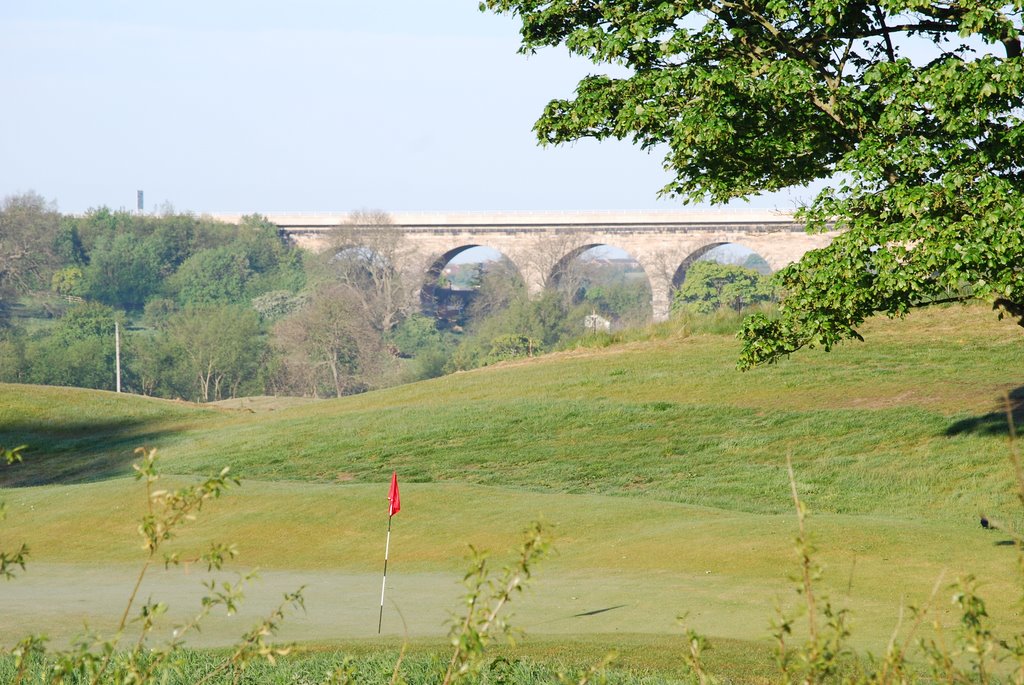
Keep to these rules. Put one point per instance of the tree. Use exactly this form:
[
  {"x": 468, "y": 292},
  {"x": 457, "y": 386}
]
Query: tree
[
  {"x": 123, "y": 271},
  {"x": 219, "y": 347},
  {"x": 172, "y": 238},
  {"x": 900, "y": 105},
  {"x": 77, "y": 351},
  {"x": 251, "y": 260},
  {"x": 418, "y": 339},
  {"x": 527, "y": 326},
  {"x": 554, "y": 262},
  {"x": 500, "y": 285},
  {"x": 67, "y": 281},
  {"x": 219, "y": 274},
  {"x": 159, "y": 366},
  {"x": 367, "y": 255},
  {"x": 327, "y": 347},
  {"x": 417, "y": 333},
  {"x": 275, "y": 264},
  {"x": 617, "y": 288},
  {"x": 510, "y": 346},
  {"x": 710, "y": 286},
  {"x": 29, "y": 228},
  {"x": 67, "y": 244},
  {"x": 258, "y": 238},
  {"x": 12, "y": 357}
]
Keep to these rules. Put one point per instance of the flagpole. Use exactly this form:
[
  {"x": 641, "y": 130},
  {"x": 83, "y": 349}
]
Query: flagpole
[
  {"x": 394, "y": 505},
  {"x": 384, "y": 582}
]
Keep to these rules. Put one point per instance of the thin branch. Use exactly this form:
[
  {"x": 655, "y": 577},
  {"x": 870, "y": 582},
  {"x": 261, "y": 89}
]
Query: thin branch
[
  {"x": 135, "y": 590},
  {"x": 889, "y": 51},
  {"x": 923, "y": 27},
  {"x": 789, "y": 48},
  {"x": 841, "y": 65},
  {"x": 805, "y": 560}
]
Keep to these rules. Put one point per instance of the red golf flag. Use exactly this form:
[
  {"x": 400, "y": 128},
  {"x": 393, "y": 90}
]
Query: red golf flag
[{"x": 393, "y": 498}]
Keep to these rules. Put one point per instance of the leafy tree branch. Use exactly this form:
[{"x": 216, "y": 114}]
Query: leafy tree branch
[{"x": 902, "y": 107}]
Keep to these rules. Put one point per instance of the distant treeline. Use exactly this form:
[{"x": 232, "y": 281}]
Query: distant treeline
[{"x": 209, "y": 310}]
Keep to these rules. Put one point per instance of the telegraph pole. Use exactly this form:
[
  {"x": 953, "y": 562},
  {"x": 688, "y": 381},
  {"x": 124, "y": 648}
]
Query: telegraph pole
[{"x": 117, "y": 353}]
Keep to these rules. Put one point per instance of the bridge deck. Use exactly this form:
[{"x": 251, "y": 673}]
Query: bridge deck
[{"x": 313, "y": 221}]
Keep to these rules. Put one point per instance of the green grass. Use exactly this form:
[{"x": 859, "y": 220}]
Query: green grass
[
  {"x": 623, "y": 571},
  {"x": 661, "y": 467},
  {"x": 908, "y": 423},
  {"x": 530, "y": 663},
  {"x": 654, "y": 560}
]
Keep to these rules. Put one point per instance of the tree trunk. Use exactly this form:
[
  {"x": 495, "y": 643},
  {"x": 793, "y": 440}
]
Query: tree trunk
[{"x": 337, "y": 379}]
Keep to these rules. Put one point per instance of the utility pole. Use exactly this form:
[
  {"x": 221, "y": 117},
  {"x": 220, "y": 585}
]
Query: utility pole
[{"x": 117, "y": 353}]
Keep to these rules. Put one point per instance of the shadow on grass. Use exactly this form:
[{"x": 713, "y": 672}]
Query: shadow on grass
[
  {"x": 993, "y": 423},
  {"x": 78, "y": 452},
  {"x": 595, "y": 612}
]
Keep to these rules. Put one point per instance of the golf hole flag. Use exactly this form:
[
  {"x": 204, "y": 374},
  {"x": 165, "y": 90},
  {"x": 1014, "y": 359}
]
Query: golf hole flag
[
  {"x": 394, "y": 505},
  {"x": 393, "y": 499}
]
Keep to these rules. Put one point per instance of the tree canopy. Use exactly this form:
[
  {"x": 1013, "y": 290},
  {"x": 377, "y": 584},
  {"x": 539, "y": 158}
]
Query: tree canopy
[
  {"x": 910, "y": 110},
  {"x": 29, "y": 229},
  {"x": 710, "y": 286}
]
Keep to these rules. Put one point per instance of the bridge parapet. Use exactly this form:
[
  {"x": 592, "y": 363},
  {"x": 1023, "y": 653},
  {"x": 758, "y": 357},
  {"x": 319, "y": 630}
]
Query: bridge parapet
[{"x": 532, "y": 219}]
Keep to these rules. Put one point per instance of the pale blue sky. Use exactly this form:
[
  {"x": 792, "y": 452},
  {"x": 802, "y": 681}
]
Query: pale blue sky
[{"x": 301, "y": 105}]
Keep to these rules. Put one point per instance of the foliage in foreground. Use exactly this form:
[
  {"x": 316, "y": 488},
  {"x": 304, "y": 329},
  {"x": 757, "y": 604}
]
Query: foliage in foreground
[
  {"x": 129, "y": 656},
  {"x": 972, "y": 651},
  {"x": 132, "y": 655},
  {"x": 11, "y": 560}
]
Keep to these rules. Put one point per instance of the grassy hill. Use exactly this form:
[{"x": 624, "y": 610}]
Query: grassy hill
[
  {"x": 908, "y": 423},
  {"x": 660, "y": 466}
]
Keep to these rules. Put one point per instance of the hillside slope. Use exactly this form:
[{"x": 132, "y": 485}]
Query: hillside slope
[{"x": 909, "y": 422}]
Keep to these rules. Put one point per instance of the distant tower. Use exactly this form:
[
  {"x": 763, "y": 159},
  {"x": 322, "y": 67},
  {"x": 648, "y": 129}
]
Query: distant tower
[{"x": 138, "y": 195}]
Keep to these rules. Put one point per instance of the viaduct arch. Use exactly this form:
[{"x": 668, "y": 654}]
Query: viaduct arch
[{"x": 664, "y": 242}]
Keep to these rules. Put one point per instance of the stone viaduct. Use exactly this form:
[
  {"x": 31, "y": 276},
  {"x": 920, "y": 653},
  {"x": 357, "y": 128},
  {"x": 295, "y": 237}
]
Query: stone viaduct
[{"x": 664, "y": 242}]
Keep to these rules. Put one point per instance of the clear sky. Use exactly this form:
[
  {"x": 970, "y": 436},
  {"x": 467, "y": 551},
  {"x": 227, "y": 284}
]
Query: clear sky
[{"x": 305, "y": 105}]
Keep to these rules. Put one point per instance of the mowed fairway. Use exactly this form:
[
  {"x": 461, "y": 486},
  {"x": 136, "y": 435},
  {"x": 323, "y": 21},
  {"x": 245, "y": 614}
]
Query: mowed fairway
[{"x": 659, "y": 467}]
